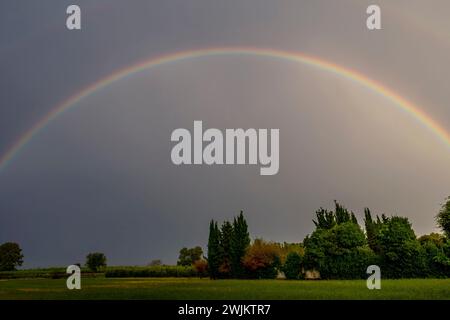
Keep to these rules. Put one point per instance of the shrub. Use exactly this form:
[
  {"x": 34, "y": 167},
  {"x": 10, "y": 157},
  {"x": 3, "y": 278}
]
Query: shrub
[
  {"x": 201, "y": 266},
  {"x": 262, "y": 260},
  {"x": 292, "y": 266}
]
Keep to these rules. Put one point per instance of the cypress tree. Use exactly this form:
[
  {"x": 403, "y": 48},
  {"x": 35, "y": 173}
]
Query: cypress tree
[
  {"x": 226, "y": 232},
  {"x": 240, "y": 241},
  {"x": 214, "y": 255}
]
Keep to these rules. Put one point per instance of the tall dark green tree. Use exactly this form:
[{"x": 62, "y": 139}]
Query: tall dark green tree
[
  {"x": 328, "y": 219},
  {"x": 342, "y": 214},
  {"x": 443, "y": 218},
  {"x": 372, "y": 229},
  {"x": 226, "y": 233},
  {"x": 325, "y": 219},
  {"x": 214, "y": 254},
  {"x": 240, "y": 241}
]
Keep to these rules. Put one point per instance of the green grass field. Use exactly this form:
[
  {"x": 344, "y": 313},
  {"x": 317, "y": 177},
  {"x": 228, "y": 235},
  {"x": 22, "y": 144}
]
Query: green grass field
[{"x": 194, "y": 288}]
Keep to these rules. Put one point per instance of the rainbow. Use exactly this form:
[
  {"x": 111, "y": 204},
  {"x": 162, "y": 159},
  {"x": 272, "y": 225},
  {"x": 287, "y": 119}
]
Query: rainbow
[{"x": 318, "y": 63}]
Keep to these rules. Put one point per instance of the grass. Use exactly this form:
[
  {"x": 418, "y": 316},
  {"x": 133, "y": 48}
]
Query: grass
[{"x": 194, "y": 288}]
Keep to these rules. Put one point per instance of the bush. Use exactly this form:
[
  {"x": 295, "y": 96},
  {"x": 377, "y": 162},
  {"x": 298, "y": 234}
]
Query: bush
[
  {"x": 95, "y": 261},
  {"x": 262, "y": 260},
  {"x": 201, "y": 266},
  {"x": 292, "y": 266}
]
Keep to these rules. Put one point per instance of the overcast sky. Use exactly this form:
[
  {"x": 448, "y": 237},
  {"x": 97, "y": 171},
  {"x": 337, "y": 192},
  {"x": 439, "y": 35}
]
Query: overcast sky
[{"x": 99, "y": 177}]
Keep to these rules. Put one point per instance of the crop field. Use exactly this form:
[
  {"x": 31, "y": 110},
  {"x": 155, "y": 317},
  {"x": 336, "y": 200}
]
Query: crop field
[{"x": 195, "y": 288}]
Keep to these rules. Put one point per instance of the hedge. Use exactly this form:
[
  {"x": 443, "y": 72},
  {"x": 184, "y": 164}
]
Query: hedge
[{"x": 154, "y": 271}]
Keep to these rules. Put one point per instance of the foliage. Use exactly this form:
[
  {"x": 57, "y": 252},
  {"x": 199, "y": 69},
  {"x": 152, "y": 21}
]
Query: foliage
[
  {"x": 338, "y": 248},
  {"x": 201, "y": 266},
  {"x": 443, "y": 218},
  {"x": 214, "y": 254},
  {"x": 435, "y": 247},
  {"x": 328, "y": 219},
  {"x": 240, "y": 240},
  {"x": 226, "y": 234},
  {"x": 436, "y": 238},
  {"x": 95, "y": 261},
  {"x": 45, "y": 273},
  {"x": 292, "y": 266},
  {"x": 400, "y": 252},
  {"x": 146, "y": 272},
  {"x": 262, "y": 260},
  {"x": 10, "y": 256},
  {"x": 338, "y": 253},
  {"x": 227, "y": 247},
  {"x": 285, "y": 248},
  {"x": 188, "y": 256}
]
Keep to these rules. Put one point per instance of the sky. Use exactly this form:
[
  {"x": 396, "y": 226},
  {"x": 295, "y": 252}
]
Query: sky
[{"x": 99, "y": 176}]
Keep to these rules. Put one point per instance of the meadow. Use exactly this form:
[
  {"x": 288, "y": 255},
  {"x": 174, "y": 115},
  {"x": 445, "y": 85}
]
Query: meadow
[{"x": 195, "y": 288}]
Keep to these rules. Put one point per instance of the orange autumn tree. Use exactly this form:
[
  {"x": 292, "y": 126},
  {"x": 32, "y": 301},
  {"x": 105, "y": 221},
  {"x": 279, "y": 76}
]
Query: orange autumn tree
[{"x": 262, "y": 259}]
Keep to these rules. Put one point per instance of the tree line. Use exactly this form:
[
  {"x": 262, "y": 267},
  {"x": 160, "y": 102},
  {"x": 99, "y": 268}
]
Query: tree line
[{"x": 338, "y": 248}]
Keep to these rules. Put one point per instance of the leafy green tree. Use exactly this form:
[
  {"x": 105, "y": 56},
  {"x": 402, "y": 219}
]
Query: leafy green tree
[
  {"x": 443, "y": 218},
  {"x": 292, "y": 266},
  {"x": 348, "y": 235},
  {"x": 10, "y": 256},
  {"x": 240, "y": 241},
  {"x": 95, "y": 261},
  {"x": 214, "y": 254},
  {"x": 401, "y": 253},
  {"x": 338, "y": 248},
  {"x": 338, "y": 253},
  {"x": 436, "y": 238},
  {"x": 188, "y": 256},
  {"x": 438, "y": 264}
]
